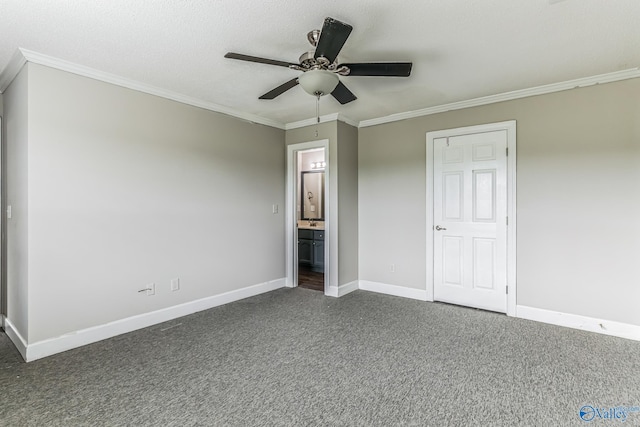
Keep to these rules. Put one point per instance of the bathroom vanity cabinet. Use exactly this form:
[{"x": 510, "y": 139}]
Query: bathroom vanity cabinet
[{"x": 311, "y": 248}]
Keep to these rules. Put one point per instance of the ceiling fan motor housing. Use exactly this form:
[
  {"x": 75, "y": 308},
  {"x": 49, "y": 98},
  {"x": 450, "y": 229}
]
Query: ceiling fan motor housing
[{"x": 307, "y": 60}]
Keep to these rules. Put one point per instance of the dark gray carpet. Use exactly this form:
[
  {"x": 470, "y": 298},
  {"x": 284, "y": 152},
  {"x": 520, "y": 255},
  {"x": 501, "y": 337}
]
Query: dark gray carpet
[{"x": 294, "y": 357}]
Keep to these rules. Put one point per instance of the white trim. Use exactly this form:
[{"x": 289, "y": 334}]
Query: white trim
[
  {"x": 291, "y": 224},
  {"x": 21, "y": 56},
  {"x": 510, "y": 127},
  {"x": 347, "y": 120},
  {"x": 399, "y": 291},
  {"x": 591, "y": 324},
  {"x": 16, "y": 338},
  {"x": 12, "y": 69},
  {"x": 615, "y": 76},
  {"x": 512, "y": 226},
  {"x": 323, "y": 119},
  {"x": 9, "y": 73},
  {"x": 429, "y": 220},
  {"x": 338, "y": 291},
  {"x": 82, "y": 337}
]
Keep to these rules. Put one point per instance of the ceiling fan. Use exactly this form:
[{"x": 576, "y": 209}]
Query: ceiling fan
[{"x": 319, "y": 68}]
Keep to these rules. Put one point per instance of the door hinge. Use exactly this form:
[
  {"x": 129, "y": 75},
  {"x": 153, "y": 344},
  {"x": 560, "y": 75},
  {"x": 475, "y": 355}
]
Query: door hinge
[
  {"x": 506, "y": 290},
  {"x": 507, "y": 220},
  {"x": 507, "y": 151}
]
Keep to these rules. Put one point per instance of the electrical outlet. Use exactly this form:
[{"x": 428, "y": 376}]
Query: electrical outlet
[
  {"x": 274, "y": 209},
  {"x": 151, "y": 289},
  {"x": 175, "y": 284}
]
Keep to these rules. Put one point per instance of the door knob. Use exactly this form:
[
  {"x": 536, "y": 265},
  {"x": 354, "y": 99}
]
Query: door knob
[{"x": 440, "y": 228}]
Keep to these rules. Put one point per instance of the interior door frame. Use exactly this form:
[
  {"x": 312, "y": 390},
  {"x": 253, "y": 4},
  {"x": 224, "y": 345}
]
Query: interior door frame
[
  {"x": 510, "y": 127},
  {"x": 291, "y": 212},
  {"x": 3, "y": 230}
]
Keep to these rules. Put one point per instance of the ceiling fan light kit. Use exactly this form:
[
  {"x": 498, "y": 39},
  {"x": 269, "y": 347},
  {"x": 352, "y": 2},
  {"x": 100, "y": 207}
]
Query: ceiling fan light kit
[
  {"x": 318, "y": 82},
  {"x": 321, "y": 71}
]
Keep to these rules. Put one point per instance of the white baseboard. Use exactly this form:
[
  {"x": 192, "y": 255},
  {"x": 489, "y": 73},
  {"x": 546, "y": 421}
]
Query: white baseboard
[
  {"x": 399, "y": 291},
  {"x": 338, "y": 291},
  {"x": 591, "y": 324},
  {"x": 82, "y": 337},
  {"x": 15, "y": 337}
]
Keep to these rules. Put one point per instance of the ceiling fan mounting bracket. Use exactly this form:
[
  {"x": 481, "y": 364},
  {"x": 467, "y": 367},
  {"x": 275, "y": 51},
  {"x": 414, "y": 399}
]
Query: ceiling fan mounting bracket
[{"x": 313, "y": 36}]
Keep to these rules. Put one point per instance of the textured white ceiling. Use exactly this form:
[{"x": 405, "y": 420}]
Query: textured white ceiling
[{"x": 461, "y": 49}]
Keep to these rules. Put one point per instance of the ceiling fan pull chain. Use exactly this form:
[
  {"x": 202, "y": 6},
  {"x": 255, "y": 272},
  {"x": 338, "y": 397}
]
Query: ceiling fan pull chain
[{"x": 318, "y": 108}]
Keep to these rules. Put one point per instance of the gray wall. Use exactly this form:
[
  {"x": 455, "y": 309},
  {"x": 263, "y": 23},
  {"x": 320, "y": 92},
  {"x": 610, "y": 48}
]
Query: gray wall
[
  {"x": 15, "y": 118},
  {"x": 343, "y": 184},
  {"x": 126, "y": 189},
  {"x": 578, "y": 198},
  {"x": 347, "y": 203}
]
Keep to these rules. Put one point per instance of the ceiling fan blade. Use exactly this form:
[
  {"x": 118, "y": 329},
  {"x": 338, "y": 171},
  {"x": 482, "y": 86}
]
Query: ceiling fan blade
[
  {"x": 257, "y": 59},
  {"x": 280, "y": 89},
  {"x": 390, "y": 69},
  {"x": 342, "y": 94},
  {"x": 332, "y": 37}
]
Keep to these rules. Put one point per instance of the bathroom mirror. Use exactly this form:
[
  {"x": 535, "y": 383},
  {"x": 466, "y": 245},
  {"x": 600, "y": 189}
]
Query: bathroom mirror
[{"x": 312, "y": 195}]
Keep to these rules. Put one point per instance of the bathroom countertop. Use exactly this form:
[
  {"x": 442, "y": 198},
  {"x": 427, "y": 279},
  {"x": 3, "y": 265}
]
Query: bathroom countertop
[
  {"x": 308, "y": 227},
  {"x": 304, "y": 225}
]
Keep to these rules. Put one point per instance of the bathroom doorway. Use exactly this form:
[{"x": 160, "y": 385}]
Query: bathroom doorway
[
  {"x": 307, "y": 215},
  {"x": 310, "y": 219}
]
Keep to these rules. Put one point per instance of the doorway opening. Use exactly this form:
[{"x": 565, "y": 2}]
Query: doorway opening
[
  {"x": 307, "y": 215},
  {"x": 310, "y": 204}
]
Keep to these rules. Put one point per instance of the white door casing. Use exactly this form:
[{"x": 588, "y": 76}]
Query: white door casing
[
  {"x": 291, "y": 215},
  {"x": 470, "y": 198}
]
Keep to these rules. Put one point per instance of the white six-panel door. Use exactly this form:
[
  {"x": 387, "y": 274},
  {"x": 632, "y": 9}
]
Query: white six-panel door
[{"x": 470, "y": 220}]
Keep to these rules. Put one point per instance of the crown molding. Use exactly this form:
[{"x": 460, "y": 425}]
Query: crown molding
[
  {"x": 12, "y": 69},
  {"x": 508, "y": 96},
  {"x": 347, "y": 120},
  {"x": 310, "y": 122},
  {"x": 323, "y": 119},
  {"x": 23, "y": 55}
]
